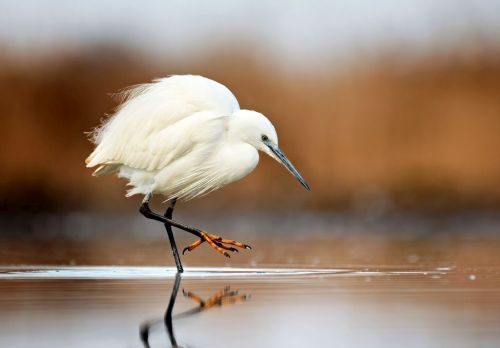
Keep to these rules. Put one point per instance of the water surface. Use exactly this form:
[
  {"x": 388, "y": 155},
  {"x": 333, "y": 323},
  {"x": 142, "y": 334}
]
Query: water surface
[
  {"x": 309, "y": 281},
  {"x": 112, "y": 306}
]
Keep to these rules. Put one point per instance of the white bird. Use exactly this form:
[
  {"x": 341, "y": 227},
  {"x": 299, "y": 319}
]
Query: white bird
[{"x": 183, "y": 136}]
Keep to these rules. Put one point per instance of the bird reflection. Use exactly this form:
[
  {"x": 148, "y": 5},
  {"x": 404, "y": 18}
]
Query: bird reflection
[{"x": 222, "y": 297}]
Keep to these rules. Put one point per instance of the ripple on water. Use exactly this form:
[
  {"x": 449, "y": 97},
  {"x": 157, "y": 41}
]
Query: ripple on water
[{"x": 121, "y": 272}]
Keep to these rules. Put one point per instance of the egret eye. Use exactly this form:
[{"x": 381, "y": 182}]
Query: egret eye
[{"x": 264, "y": 138}]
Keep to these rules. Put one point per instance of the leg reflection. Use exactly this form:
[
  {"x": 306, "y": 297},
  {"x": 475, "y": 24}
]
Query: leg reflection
[
  {"x": 168, "y": 314},
  {"x": 224, "y": 296},
  {"x": 145, "y": 327},
  {"x": 221, "y": 297}
]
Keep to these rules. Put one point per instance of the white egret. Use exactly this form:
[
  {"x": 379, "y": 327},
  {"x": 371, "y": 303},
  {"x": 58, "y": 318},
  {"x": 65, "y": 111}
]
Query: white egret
[{"x": 183, "y": 136}]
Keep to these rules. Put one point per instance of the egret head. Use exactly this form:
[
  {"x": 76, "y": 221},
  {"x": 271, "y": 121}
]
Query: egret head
[{"x": 255, "y": 129}]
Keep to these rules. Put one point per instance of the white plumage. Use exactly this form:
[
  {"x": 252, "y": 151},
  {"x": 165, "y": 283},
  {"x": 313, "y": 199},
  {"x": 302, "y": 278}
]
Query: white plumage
[{"x": 182, "y": 136}]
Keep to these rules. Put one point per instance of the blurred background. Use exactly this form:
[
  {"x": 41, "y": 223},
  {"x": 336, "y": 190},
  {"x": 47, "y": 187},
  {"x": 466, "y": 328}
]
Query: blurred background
[{"x": 391, "y": 110}]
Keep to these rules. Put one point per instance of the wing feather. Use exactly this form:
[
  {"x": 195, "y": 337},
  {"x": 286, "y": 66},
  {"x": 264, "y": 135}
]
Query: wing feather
[{"x": 161, "y": 121}]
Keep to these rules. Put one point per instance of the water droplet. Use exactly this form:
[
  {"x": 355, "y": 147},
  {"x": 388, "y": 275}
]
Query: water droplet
[{"x": 443, "y": 269}]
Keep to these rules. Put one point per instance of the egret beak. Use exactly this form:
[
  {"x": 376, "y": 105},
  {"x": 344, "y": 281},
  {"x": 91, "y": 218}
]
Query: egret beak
[{"x": 280, "y": 156}]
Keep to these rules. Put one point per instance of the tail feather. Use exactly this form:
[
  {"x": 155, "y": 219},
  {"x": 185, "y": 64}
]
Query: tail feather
[{"x": 106, "y": 168}]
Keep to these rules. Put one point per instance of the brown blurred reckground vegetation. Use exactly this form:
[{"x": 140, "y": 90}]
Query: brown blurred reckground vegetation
[{"x": 386, "y": 132}]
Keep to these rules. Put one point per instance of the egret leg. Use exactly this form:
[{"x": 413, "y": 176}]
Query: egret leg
[
  {"x": 148, "y": 213},
  {"x": 168, "y": 214},
  {"x": 214, "y": 241}
]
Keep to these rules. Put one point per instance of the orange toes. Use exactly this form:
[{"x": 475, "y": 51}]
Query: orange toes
[{"x": 217, "y": 243}]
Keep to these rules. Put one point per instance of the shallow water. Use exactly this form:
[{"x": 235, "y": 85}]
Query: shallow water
[
  {"x": 343, "y": 282},
  {"x": 109, "y": 306}
]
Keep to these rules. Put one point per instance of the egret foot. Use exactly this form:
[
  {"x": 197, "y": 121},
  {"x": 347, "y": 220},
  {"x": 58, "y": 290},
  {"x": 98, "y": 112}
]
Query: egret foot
[{"x": 218, "y": 243}]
